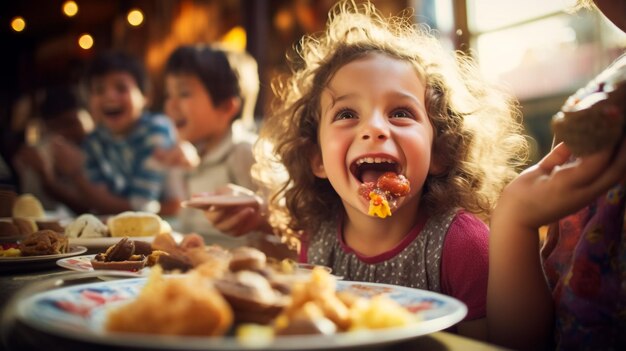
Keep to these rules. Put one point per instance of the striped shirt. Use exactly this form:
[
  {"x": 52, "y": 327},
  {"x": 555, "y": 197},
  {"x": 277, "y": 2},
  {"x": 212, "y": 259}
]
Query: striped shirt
[{"x": 125, "y": 164}]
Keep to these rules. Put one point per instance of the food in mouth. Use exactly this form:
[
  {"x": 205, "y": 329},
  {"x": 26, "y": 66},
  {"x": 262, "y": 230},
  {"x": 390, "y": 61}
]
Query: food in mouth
[{"x": 383, "y": 193}]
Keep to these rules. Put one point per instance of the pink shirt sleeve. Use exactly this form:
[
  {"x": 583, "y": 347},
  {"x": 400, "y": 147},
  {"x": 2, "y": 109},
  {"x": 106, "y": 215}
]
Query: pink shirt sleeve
[{"x": 465, "y": 263}]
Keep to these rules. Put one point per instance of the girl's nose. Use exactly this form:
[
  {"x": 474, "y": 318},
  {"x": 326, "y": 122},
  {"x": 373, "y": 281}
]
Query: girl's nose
[{"x": 375, "y": 128}]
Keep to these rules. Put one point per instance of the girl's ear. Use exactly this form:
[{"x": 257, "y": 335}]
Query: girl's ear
[
  {"x": 436, "y": 165},
  {"x": 438, "y": 162},
  {"x": 317, "y": 165}
]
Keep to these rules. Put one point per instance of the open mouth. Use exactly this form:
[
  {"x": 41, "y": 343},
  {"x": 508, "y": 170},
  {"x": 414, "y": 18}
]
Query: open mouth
[
  {"x": 368, "y": 169},
  {"x": 113, "y": 113}
]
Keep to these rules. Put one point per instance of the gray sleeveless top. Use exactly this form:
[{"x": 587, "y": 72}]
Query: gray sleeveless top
[{"x": 416, "y": 266}]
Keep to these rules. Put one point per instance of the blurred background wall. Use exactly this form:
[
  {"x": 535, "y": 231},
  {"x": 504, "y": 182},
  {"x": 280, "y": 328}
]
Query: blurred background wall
[{"x": 535, "y": 48}]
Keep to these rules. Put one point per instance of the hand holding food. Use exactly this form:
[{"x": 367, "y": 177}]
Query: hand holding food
[
  {"x": 595, "y": 117},
  {"x": 232, "y": 209}
]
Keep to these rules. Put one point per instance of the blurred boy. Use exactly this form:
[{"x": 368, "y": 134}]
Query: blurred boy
[{"x": 119, "y": 173}]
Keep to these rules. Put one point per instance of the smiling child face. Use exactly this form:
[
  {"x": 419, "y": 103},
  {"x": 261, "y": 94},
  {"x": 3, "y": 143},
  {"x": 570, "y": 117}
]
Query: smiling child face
[
  {"x": 373, "y": 119},
  {"x": 116, "y": 101},
  {"x": 192, "y": 110}
]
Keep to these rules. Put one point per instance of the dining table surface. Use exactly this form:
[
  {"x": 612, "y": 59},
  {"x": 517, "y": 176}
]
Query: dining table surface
[{"x": 17, "y": 335}]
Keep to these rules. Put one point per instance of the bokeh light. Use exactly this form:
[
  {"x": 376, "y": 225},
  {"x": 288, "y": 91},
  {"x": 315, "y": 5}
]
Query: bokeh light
[
  {"x": 70, "y": 8},
  {"x": 85, "y": 41},
  {"x": 18, "y": 24},
  {"x": 135, "y": 17}
]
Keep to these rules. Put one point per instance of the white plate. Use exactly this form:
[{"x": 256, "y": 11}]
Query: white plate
[
  {"x": 83, "y": 264},
  {"x": 206, "y": 201},
  {"x": 73, "y": 251},
  {"x": 77, "y": 263},
  {"x": 78, "y": 313},
  {"x": 103, "y": 243}
]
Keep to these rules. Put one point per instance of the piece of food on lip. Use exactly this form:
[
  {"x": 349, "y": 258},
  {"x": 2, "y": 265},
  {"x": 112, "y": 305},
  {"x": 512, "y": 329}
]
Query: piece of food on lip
[
  {"x": 44, "y": 242},
  {"x": 379, "y": 206},
  {"x": 87, "y": 226},
  {"x": 127, "y": 255},
  {"x": 132, "y": 223},
  {"x": 28, "y": 206},
  {"x": 395, "y": 184},
  {"x": 383, "y": 194}
]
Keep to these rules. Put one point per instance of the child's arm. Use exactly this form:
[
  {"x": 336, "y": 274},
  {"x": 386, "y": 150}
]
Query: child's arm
[
  {"x": 86, "y": 195},
  {"x": 519, "y": 303}
]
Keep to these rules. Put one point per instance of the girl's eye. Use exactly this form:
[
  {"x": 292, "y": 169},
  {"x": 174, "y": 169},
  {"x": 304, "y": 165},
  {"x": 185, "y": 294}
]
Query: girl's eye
[
  {"x": 402, "y": 113},
  {"x": 345, "y": 114}
]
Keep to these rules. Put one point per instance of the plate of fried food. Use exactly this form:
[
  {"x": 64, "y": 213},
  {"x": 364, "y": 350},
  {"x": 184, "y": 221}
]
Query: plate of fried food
[
  {"x": 40, "y": 248},
  {"x": 24, "y": 215},
  {"x": 234, "y": 301}
]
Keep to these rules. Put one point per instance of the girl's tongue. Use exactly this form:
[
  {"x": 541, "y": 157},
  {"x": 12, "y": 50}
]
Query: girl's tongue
[{"x": 371, "y": 175}]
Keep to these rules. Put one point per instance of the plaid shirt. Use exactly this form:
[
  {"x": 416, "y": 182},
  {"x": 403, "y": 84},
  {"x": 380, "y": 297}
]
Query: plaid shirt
[{"x": 125, "y": 164}]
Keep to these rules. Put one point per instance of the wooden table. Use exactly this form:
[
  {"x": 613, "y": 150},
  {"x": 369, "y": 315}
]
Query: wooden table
[{"x": 16, "y": 336}]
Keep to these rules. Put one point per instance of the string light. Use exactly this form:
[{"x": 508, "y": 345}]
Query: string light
[
  {"x": 135, "y": 17},
  {"x": 70, "y": 8},
  {"x": 18, "y": 24},
  {"x": 85, "y": 41}
]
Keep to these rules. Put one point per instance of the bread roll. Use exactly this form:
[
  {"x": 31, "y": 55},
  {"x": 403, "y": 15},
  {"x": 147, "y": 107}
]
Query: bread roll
[
  {"x": 134, "y": 224},
  {"x": 28, "y": 206}
]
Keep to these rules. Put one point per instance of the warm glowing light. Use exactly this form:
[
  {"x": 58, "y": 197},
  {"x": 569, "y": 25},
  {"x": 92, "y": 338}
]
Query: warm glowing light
[
  {"x": 135, "y": 17},
  {"x": 235, "y": 39},
  {"x": 18, "y": 24},
  {"x": 70, "y": 8},
  {"x": 85, "y": 41}
]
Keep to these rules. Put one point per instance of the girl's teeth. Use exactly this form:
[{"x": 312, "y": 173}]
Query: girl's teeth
[{"x": 373, "y": 160}]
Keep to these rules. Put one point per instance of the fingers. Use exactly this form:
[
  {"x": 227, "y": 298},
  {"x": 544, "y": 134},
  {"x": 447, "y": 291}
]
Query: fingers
[
  {"x": 236, "y": 223},
  {"x": 558, "y": 156}
]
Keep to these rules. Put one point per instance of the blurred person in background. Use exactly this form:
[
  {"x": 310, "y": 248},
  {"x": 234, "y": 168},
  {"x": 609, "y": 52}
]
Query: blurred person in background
[
  {"x": 63, "y": 121},
  {"x": 571, "y": 295},
  {"x": 118, "y": 172},
  {"x": 210, "y": 92}
]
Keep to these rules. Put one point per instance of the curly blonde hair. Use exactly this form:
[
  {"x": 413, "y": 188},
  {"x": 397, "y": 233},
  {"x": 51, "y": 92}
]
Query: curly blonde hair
[{"x": 478, "y": 134}]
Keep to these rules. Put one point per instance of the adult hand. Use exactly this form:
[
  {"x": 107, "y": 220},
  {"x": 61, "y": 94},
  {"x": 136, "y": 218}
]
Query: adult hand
[
  {"x": 183, "y": 154},
  {"x": 555, "y": 187}
]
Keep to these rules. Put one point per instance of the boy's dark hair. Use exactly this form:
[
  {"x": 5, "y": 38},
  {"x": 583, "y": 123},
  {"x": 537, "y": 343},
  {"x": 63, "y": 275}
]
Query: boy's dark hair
[
  {"x": 210, "y": 65},
  {"x": 116, "y": 61}
]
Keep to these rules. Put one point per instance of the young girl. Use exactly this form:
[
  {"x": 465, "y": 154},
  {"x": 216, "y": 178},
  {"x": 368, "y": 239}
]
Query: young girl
[
  {"x": 577, "y": 287},
  {"x": 373, "y": 95},
  {"x": 203, "y": 99}
]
